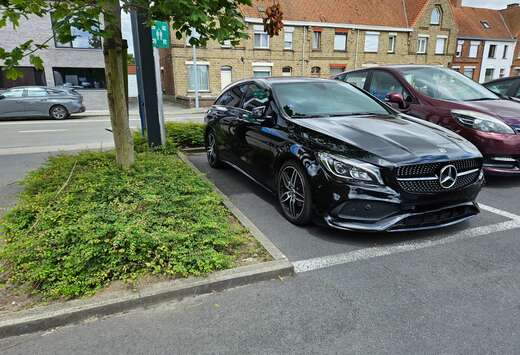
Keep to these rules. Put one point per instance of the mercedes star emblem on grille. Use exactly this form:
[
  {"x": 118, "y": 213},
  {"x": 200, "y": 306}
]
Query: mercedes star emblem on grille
[{"x": 448, "y": 176}]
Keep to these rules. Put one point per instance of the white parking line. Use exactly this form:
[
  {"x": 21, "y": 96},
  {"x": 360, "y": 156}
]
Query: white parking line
[
  {"x": 499, "y": 212},
  {"x": 43, "y": 130},
  {"x": 369, "y": 253},
  {"x": 48, "y": 122}
]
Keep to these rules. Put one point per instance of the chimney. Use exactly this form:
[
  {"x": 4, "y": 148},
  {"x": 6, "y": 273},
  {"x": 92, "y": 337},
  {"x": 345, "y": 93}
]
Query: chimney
[{"x": 456, "y": 3}]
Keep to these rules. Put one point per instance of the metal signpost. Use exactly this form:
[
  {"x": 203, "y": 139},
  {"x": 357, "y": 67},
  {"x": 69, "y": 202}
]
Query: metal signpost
[{"x": 148, "y": 75}]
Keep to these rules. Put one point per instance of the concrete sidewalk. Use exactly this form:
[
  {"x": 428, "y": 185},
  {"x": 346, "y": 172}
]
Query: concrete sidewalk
[{"x": 170, "y": 108}]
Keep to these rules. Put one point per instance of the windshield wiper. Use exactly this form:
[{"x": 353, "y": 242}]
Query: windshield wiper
[
  {"x": 483, "y": 99},
  {"x": 308, "y": 116},
  {"x": 356, "y": 114}
]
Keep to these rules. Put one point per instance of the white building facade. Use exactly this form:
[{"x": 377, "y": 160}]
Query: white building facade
[{"x": 497, "y": 59}]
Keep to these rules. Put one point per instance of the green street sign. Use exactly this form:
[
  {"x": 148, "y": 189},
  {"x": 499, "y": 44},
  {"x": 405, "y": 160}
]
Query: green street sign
[{"x": 160, "y": 35}]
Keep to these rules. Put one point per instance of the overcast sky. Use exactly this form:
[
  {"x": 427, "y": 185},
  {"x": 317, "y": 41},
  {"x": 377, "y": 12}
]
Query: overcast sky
[{"x": 494, "y": 4}]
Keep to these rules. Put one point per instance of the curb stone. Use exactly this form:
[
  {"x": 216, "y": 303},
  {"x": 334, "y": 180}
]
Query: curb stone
[{"x": 48, "y": 317}]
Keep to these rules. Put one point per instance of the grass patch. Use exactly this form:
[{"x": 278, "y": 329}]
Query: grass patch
[{"x": 81, "y": 223}]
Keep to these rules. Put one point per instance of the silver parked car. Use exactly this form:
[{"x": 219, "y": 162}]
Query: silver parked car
[{"x": 38, "y": 101}]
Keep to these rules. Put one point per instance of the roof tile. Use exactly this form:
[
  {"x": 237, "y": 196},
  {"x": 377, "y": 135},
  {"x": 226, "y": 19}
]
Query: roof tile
[
  {"x": 366, "y": 12},
  {"x": 469, "y": 19}
]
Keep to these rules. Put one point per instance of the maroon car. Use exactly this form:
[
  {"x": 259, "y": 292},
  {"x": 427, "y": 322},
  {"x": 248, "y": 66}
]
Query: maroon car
[{"x": 448, "y": 98}]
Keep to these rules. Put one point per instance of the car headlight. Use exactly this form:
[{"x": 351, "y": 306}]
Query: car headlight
[
  {"x": 350, "y": 169},
  {"x": 481, "y": 121}
]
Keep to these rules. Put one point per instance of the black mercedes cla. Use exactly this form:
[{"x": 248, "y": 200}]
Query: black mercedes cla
[{"x": 336, "y": 155}]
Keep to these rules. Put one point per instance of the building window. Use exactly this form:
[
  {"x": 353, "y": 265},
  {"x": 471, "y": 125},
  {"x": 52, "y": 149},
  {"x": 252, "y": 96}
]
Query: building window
[
  {"x": 469, "y": 71},
  {"x": 492, "y": 51},
  {"x": 485, "y": 24},
  {"x": 489, "y": 74},
  {"x": 85, "y": 78},
  {"x": 506, "y": 49},
  {"x": 288, "y": 37},
  {"x": 316, "y": 71},
  {"x": 202, "y": 76},
  {"x": 436, "y": 16},
  {"x": 502, "y": 73},
  {"x": 226, "y": 76},
  {"x": 473, "y": 49},
  {"x": 460, "y": 46},
  {"x": 440, "y": 45},
  {"x": 422, "y": 44},
  {"x": 82, "y": 39},
  {"x": 371, "y": 42},
  {"x": 316, "y": 40},
  {"x": 286, "y": 71},
  {"x": 261, "y": 71},
  {"x": 260, "y": 37},
  {"x": 336, "y": 69},
  {"x": 30, "y": 76},
  {"x": 226, "y": 44},
  {"x": 340, "y": 41},
  {"x": 391, "y": 42}
]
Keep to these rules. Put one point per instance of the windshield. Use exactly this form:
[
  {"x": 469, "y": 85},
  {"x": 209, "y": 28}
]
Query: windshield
[
  {"x": 446, "y": 84},
  {"x": 324, "y": 99}
]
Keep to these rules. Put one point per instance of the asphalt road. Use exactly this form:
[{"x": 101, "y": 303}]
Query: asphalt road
[
  {"x": 35, "y": 135},
  {"x": 452, "y": 291}
]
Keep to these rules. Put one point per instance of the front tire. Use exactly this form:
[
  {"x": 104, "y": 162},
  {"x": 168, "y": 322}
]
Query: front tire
[
  {"x": 212, "y": 152},
  {"x": 58, "y": 112},
  {"x": 294, "y": 193}
]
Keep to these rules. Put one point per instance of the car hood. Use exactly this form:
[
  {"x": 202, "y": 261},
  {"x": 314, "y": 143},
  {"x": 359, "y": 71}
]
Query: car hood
[
  {"x": 393, "y": 139},
  {"x": 507, "y": 110}
]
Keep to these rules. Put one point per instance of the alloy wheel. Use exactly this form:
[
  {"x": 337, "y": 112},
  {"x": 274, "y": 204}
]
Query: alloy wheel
[
  {"x": 210, "y": 150},
  {"x": 59, "y": 112},
  {"x": 292, "y": 192}
]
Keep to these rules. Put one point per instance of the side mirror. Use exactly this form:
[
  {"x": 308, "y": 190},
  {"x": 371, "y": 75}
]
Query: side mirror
[
  {"x": 2, "y": 97},
  {"x": 396, "y": 99},
  {"x": 257, "y": 113}
]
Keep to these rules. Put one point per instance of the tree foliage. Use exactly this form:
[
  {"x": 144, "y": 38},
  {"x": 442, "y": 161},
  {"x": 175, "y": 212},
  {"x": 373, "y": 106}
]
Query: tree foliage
[{"x": 212, "y": 19}]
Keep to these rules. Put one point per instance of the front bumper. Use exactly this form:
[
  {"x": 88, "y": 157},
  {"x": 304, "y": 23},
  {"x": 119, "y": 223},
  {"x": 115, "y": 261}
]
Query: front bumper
[
  {"x": 501, "y": 152},
  {"x": 387, "y": 209},
  {"x": 436, "y": 218}
]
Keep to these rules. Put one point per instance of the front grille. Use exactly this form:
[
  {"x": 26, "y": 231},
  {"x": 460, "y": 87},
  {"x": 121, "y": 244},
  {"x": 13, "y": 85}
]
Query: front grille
[
  {"x": 432, "y": 169},
  {"x": 423, "y": 178}
]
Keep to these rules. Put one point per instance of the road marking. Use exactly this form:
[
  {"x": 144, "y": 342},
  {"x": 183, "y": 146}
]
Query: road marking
[
  {"x": 56, "y": 148},
  {"x": 499, "y": 212},
  {"x": 43, "y": 130},
  {"x": 369, "y": 253},
  {"x": 49, "y": 122}
]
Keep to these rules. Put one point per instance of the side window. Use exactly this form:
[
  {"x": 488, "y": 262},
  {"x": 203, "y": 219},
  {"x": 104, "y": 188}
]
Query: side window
[
  {"x": 501, "y": 87},
  {"x": 357, "y": 78},
  {"x": 13, "y": 93},
  {"x": 255, "y": 97},
  {"x": 517, "y": 94},
  {"x": 36, "y": 92},
  {"x": 384, "y": 83},
  {"x": 232, "y": 97}
]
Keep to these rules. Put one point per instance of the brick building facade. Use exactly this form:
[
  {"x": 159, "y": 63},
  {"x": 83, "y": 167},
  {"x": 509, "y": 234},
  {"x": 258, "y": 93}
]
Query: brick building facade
[
  {"x": 485, "y": 44},
  {"x": 511, "y": 15},
  {"x": 320, "y": 38}
]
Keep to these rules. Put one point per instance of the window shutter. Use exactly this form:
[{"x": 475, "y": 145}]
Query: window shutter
[{"x": 371, "y": 42}]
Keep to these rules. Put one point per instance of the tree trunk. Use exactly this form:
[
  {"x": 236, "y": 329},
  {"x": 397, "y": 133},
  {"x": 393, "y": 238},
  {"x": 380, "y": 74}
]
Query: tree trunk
[{"x": 114, "y": 73}]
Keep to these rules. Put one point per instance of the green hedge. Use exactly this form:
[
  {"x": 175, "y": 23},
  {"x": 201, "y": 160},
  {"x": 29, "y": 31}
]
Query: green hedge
[{"x": 186, "y": 134}]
